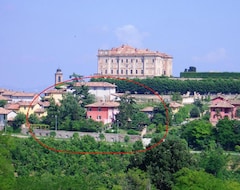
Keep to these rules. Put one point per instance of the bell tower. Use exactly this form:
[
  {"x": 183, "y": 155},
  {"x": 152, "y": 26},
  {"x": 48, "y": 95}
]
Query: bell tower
[{"x": 58, "y": 76}]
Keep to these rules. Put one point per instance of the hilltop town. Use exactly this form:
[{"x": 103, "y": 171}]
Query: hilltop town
[{"x": 131, "y": 105}]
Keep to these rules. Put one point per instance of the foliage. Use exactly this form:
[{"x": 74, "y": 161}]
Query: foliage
[
  {"x": 162, "y": 161},
  {"x": 176, "y": 96},
  {"x": 214, "y": 161},
  {"x": 238, "y": 112},
  {"x": 7, "y": 179},
  {"x": 200, "y": 180},
  {"x": 197, "y": 133},
  {"x": 132, "y": 132},
  {"x": 3, "y": 103},
  {"x": 70, "y": 108},
  {"x": 33, "y": 119},
  {"x": 52, "y": 113},
  {"x": 195, "y": 112},
  {"x": 18, "y": 121},
  {"x": 181, "y": 115},
  {"x": 126, "y": 110},
  {"x": 210, "y": 75},
  {"x": 168, "y": 85},
  {"x": 162, "y": 115},
  {"x": 227, "y": 133},
  {"x": 139, "y": 120}
]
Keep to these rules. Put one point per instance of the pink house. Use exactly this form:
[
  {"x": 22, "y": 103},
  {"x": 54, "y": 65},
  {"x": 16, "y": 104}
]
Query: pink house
[
  {"x": 221, "y": 107},
  {"x": 102, "y": 111}
]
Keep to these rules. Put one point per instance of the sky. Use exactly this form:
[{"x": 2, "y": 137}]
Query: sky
[{"x": 38, "y": 37}]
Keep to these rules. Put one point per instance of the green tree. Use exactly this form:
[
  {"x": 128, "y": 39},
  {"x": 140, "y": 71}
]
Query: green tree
[
  {"x": 7, "y": 179},
  {"x": 70, "y": 108},
  {"x": 200, "y": 180},
  {"x": 162, "y": 115},
  {"x": 214, "y": 161},
  {"x": 33, "y": 119},
  {"x": 126, "y": 110},
  {"x": 238, "y": 112},
  {"x": 3, "y": 103},
  {"x": 52, "y": 114},
  {"x": 162, "y": 161},
  {"x": 137, "y": 179},
  {"x": 176, "y": 96},
  {"x": 139, "y": 120},
  {"x": 195, "y": 112},
  {"x": 18, "y": 121},
  {"x": 227, "y": 133},
  {"x": 197, "y": 133},
  {"x": 181, "y": 115}
]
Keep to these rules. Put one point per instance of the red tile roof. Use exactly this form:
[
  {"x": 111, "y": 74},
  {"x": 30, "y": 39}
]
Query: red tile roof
[
  {"x": 131, "y": 51},
  {"x": 12, "y": 106},
  {"x": 40, "y": 110},
  {"x": 4, "y": 98},
  {"x": 222, "y": 104},
  {"x": 4, "y": 111},
  {"x": 175, "y": 105},
  {"x": 147, "y": 109},
  {"x": 103, "y": 104},
  {"x": 95, "y": 84}
]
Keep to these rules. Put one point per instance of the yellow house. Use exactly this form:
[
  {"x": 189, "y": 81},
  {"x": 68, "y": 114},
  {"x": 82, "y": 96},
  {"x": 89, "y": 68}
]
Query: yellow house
[
  {"x": 175, "y": 107},
  {"x": 27, "y": 107},
  {"x": 56, "y": 94}
]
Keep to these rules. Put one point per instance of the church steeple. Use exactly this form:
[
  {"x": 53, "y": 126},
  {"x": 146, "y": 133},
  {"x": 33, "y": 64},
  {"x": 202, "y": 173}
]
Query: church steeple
[{"x": 58, "y": 76}]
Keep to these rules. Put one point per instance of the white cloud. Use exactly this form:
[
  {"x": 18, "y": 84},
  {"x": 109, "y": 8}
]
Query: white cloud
[
  {"x": 218, "y": 55},
  {"x": 129, "y": 34}
]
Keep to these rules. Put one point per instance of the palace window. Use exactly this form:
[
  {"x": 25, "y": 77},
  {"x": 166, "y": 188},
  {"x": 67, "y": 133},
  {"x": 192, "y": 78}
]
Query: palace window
[
  {"x": 131, "y": 71},
  {"x": 105, "y": 71},
  {"x": 136, "y": 71}
]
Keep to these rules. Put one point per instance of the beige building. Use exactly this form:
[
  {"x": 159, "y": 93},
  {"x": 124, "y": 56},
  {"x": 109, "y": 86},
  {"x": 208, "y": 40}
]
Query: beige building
[{"x": 129, "y": 62}]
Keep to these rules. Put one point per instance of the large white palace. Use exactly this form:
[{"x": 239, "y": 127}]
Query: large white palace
[{"x": 130, "y": 62}]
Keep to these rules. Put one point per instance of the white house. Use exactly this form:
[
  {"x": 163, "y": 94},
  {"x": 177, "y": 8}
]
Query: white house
[
  {"x": 103, "y": 91},
  {"x": 5, "y": 116}
]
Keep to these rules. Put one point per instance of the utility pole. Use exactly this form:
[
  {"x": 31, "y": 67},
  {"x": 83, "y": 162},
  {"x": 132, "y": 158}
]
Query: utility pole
[{"x": 56, "y": 123}]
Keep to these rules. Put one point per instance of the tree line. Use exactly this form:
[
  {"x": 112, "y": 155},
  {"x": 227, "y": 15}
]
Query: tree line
[
  {"x": 24, "y": 164},
  {"x": 164, "y": 85}
]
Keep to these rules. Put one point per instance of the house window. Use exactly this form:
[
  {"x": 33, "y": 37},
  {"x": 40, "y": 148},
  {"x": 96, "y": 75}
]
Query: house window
[
  {"x": 99, "y": 109},
  {"x": 90, "y": 116},
  {"x": 99, "y": 117},
  {"x": 153, "y": 60},
  {"x": 104, "y": 88},
  {"x": 142, "y": 60}
]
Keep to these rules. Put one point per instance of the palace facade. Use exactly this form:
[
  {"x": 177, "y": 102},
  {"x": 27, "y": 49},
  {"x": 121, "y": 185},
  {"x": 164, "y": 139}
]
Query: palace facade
[{"x": 130, "y": 62}]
